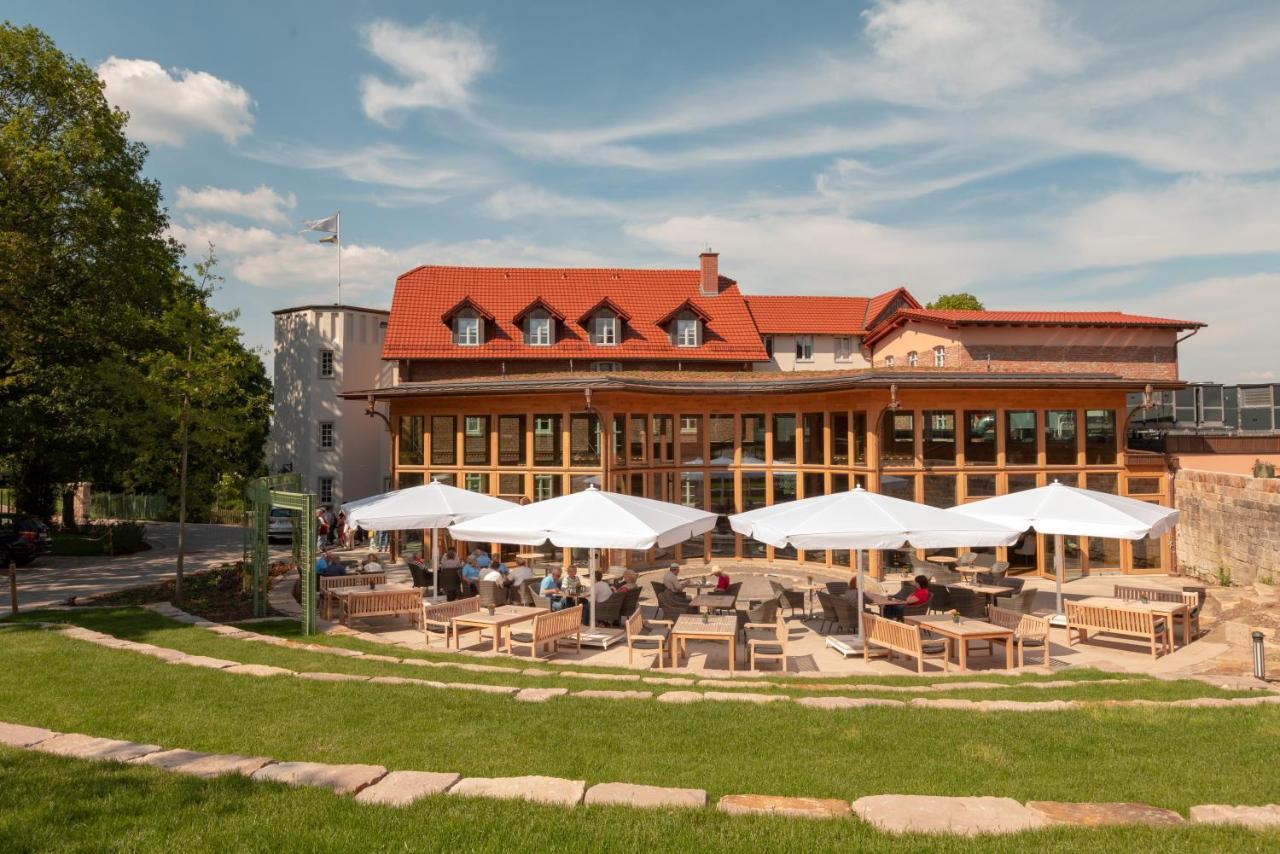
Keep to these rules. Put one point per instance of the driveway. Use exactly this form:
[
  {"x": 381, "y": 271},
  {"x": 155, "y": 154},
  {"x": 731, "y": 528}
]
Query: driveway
[{"x": 55, "y": 579}]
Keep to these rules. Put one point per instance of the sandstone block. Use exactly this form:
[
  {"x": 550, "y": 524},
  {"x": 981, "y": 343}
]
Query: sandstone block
[
  {"x": 614, "y": 695},
  {"x": 627, "y": 794},
  {"x": 17, "y": 735},
  {"x": 680, "y": 697},
  {"x": 543, "y": 790},
  {"x": 204, "y": 661},
  {"x": 775, "y": 805},
  {"x": 743, "y": 697},
  {"x": 400, "y": 788},
  {"x": 966, "y": 816},
  {"x": 1267, "y": 816},
  {"x": 89, "y": 747},
  {"x": 539, "y": 695},
  {"x": 259, "y": 670},
  {"x": 333, "y": 677},
  {"x": 846, "y": 702},
  {"x": 1098, "y": 814},
  {"x": 204, "y": 764},
  {"x": 343, "y": 779}
]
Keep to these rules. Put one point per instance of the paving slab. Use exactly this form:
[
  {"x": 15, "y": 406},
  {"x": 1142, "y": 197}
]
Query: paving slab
[
  {"x": 1099, "y": 814},
  {"x": 259, "y": 670},
  {"x": 775, "y": 805},
  {"x": 400, "y": 788},
  {"x": 401, "y": 680},
  {"x": 343, "y": 779},
  {"x": 666, "y": 680},
  {"x": 615, "y": 695},
  {"x": 543, "y": 790},
  {"x": 474, "y": 686},
  {"x": 420, "y": 662},
  {"x": 333, "y": 677},
  {"x": 539, "y": 695},
  {"x": 160, "y": 652},
  {"x": 90, "y": 747},
  {"x": 996, "y": 705},
  {"x": 680, "y": 697},
  {"x": 205, "y": 661},
  {"x": 846, "y": 702},
  {"x": 631, "y": 795},
  {"x": 1267, "y": 816},
  {"x": 743, "y": 697},
  {"x": 482, "y": 668},
  {"x": 204, "y": 764},
  {"x": 18, "y": 735},
  {"x": 601, "y": 677},
  {"x": 333, "y": 650},
  {"x": 374, "y": 656},
  {"x": 967, "y": 816}
]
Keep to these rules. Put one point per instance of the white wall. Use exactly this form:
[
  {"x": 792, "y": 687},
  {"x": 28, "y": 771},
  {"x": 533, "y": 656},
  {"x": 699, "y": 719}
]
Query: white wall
[{"x": 824, "y": 355}]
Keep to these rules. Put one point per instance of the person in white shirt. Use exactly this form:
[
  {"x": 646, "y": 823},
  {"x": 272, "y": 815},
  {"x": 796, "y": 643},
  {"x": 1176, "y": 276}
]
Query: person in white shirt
[
  {"x": 492, "y": 574},
  {"x": 519, "y": 574},
  {"x": 601, "y": 590},
  {"x": 370, "y": 564},
  {"x": 672, "y": 579}
]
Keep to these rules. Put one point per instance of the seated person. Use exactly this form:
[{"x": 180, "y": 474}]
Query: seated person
[
  {"x": 470, "y": 572},
  {"x": 852, "y": 593},
  {"x": 492, "y": 574},
  {"x": 450, "y": 560},
  {"x": 414, "y": 559},
  {"x": 672, "y": 580},
  {"x": 482, "y": 559},
  {"x": 572, "y": 583},
  {"x": 918, "y": 596},
  {"x": 519, "y": 574},
  {"x": 370, "y": 564},
  {"x": 601, "y": 590},
  {"x": 629, "y": 581},
  {"x": 552, "y": 587},
  {"x": 722, "y": 579},
  {"x": 328, "y": 564}
]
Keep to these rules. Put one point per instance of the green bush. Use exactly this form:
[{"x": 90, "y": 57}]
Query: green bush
[{"x": 114, "y": 538}]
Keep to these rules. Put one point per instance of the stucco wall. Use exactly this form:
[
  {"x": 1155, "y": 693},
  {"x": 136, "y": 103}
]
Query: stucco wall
[
  {"x": 1228, "y": 522},
  {"x": 824, "y": 355}
]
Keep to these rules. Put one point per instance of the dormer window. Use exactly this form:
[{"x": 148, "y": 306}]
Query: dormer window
[
  {"x": 604, "y": 329},
  {"x": 888, "y": 361},
  {"x": 685, "y": 324},
  {"x": 538, "y": 330},
  {"x": 939, "y": 356},
  {"x": 687, "y": 332},
  {"x": 467, "y": 331},
  {"x": 913, "y": 359}
]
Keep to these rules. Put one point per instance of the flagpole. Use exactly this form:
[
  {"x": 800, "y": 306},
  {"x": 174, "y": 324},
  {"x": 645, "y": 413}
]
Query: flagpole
[{"x": 338, "y": 235}]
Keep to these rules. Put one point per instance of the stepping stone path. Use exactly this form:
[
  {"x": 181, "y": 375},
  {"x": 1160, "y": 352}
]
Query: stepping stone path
[
  {"x": 333, "y": 677},
  {"x": 1096, "y": 815},
  {"x": 542, "y": 790},
  {"x": 929, "y": 814},
  {"x": 88, "y": 747},
  {"x": 631, "y": 795},
  {"x": 204, "y": 661},
  {"x": 343, "y": 779},
  {"x": 539, "y": 695},
  {"x": 774, "y": 805},
  {"x": 1265, "y": 817},
  {"x": 259, "y": 670},
  {"x": 204, "y": 764},
  {"x": 17, "y": 735},
  {"x": 846, "y": 702},
  {"x": 400, "y": 788},
  {"x": 615, "y": 695}
]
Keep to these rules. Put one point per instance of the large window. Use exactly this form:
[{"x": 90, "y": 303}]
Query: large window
[
  {"x": 326, "y": 435},
  {"x": 1060, "y": 437},
  {"x": 859, "y": 438},
  {"x": 691, "y": 439},
  {"x": 663, "y": 439},
  {"x": 604, "y": 329},
  {"x": 1145, "y": 553},
  {"x": 899, "y": 439},
  {"x": 720, "y": 434},
  {"x": 1100, "y": 437},
  {"x": 687, "y": 333},
  {"x": 410, "y": 452},
  {"x": 939, "y": 438},
  {"x": 547, "y": 449},
  {"x": 723, "y": 540},
  {"x": 636, "y": 438},
  {"x": 1020, "y": 438},
  {"x": 444, "y": 444},
  {"x": 753, "y": 431},
  {"x": 840, "y": 438},
  {"x": 511, "y": 441},
  {"x": 784, "y": 437},
  {"x": 980, "y": 437},
  {"x": 326, "y": 490},
  {"x": 804, "y": 348},
  {"x": 584, "y": 440},
  {"x": 784, "y": 489},
  {"x": 475, "y": 440},
  {"x": 538, "y": 330},
  {"x": 844, "y": 348},
  {"x": 326, "y": 364},
  {"x": 814, "y": 442},
  {"x": 753, "y": 496},
  {"x": 466, "y": 331}
]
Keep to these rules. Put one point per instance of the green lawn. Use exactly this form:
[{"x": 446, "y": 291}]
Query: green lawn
[
  {"x": 66, "y": 805},
  {"x": 1167, "y": 757}
]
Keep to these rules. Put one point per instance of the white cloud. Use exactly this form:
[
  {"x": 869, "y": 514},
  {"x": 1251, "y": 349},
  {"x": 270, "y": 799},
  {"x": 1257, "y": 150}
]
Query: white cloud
[
  {"x": 165, "y": 108},
  {"x": 524, "y": 200},
  {"x": 261, "y": 203},
  {"x": 438, "y": 62},
  {"x": 427, "y": 177}
]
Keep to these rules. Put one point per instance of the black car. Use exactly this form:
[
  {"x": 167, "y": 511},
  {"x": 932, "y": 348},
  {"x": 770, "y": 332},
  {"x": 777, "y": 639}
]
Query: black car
[{"x": 22, "y": 539}]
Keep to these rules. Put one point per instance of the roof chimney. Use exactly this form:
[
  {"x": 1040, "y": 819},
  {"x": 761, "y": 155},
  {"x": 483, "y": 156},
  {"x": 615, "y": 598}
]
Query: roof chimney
[{"x": 709, "y": 284}]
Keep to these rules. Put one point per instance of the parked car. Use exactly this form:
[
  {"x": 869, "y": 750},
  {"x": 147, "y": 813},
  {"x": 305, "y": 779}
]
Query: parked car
[
  {"x": 22, "y": 539},
  {"x": 280, "y": 525}
]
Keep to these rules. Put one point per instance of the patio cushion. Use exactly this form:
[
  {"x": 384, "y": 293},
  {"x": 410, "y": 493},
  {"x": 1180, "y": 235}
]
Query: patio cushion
[
  {"x": 769, "y": 648},
  {"x": 522, "y": 636},
  {"x": 1029, "y": 641},
  {"x": 932, "y": 646}
]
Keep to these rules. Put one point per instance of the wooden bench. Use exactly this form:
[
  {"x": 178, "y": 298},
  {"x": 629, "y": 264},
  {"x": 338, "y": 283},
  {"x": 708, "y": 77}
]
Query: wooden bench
[
  {"x": 903, "y": 639},
  {"x": 1190, "y": 598},
  {"x": 549, "y": 631},
  {"x": 383, "y": 603},
  {"x": 340, "y": 582},
  {"x": 440, "y": 617},
  {"x": 1126, "y": 622},
  {"x": 1028, "y": 630}
]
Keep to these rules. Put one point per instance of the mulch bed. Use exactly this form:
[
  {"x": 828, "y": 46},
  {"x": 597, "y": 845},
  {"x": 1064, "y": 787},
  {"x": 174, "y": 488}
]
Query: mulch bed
[{"x": 217, "y": 594}]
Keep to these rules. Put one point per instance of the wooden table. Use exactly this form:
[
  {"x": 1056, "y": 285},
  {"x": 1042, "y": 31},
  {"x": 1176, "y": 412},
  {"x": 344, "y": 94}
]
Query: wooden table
[
  {"x": 714, "y": 601},
  {"x": 970, "y": 573},
  {"x": 333, "y": 595},
  {"x": 879, "y": 600},
  {"x": 944, "y": 560},
  {"x": 1170, "y": 610},
  {"x": 504, "y": 616},
  {"x": 991, "y": 591},
  {"x": 967, "y": 630},
  {"x": 694, "y": 627},
  {"x": 809, "y": 587}
]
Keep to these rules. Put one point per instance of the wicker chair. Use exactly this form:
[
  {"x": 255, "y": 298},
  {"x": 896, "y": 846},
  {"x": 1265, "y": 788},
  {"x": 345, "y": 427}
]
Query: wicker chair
[
  {"x": 793, "y": 599},
  {"x": 999, "y": 569},
  {"x": 765, "y": 612},
  {"x": 846, "y": 613},
  {"x": 732, "y": 590},
  {"x": 939, "y": 598},
  {"x": 492, "y": 594},
  {"x": 919, "y": 610},
  {"x": 967, "y": 559},
  {"x": 450, "y": 583},
  {"x": 536, "y": 599},
  {"x": 631, "y": 603},
  {"x": 610, "y": 610},
  {"x": 966, "y": 603},
  {"x": 672, "y": 607},
  {"x": 829, "y": 616},
  {"x": 837, "y": 588},
  {"x": 420, "y": 578}
]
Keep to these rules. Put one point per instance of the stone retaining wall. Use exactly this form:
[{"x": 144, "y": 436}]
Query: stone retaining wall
[{"x": 1229, "y": 523}]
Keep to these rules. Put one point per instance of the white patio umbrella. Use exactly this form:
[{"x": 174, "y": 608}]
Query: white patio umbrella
[
  {"x": 1064, "y": 511},
  {"x": 859, "y": 520},
  {"x": 434, "y": 505},
  {"x": 591, "y": 519}
]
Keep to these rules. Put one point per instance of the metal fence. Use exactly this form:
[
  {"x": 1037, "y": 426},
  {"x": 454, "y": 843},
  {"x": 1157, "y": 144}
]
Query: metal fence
[{"x": 104, "y": 505}]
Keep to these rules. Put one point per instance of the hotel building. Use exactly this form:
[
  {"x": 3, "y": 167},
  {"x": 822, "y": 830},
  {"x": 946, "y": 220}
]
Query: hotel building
[{"x": 673, "y": 384}]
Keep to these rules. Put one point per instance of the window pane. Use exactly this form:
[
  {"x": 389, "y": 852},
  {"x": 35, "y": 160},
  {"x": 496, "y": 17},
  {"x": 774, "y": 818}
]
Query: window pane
[
  {"x": 1060, "y": 437},
  {"x": 1104, "y": 553},
  {"x": 940, "y": 490},
  {"x": 859, "y": 438},
  {"x": 691, "y": 439},
  {"x": 840, "y": 438},
  {"x": 980, "y": 485},
  {"x": 1020, "y": 438},
  {"x": 663, "y": 486},
  {"x": 445, "y": 477},
  {"x": 784, "y": 437},
  {"x": 839, "y": 482},
  {"x": 814, "y": 443},
  {"x": 723, "y": 540},
  {"x": 753, "y": 496},
  {"x": 784, "y": 490},
  {"x": 814, "y": 484},
  {"x": 411, "y": 440},
  {"x": 1100, "y": 437},
  {"x": 444, "y": 451},
  {"x": 663, "y": 438},
  {"x": 691, "y": 488},
  {"x": 1146, "y": 553},
  {"x": 898, "y": 486},
  {"x": 409, "y": 478},
  {"x": 635, "y": 439},
  {"x": 618, "y": 440},
  {"x": 547, "y": 449},
  {"x": 476, "y": 482},
  {"x": 752, "y": 440},
  {"x": 475, "y": 440},
  {"x": 1022, "y": 554},
  {"x": 899, "y": 439},
  {"x": 939, "y": 438},
  {"x": 720, "y": 433},
  {"x": 581, "y": 482},
  {"x": 1108, "y": 483},
  {"x": 1143, "y": 485},
  {"x": 979, "y": 437},
  {"x": 584, "y": 440},
  {"x": 511, "y": 441},
  {"x": 510, "y": 484},
  {"x": 547, "y": 486},
  {"x": 1021, "y": 482}
]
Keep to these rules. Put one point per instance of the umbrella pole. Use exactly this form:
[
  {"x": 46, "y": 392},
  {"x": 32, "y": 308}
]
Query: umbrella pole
[
  {"x": 435, "y": 563},
  {"x": 1058, "y": 546},
  {"x": 858, "y": 558},
  {"x": 591, "y": 584}
]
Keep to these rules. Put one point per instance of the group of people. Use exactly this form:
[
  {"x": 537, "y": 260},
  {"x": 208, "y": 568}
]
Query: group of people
[
  {"x": 332, "y": 530},
  {"x": 565, "y": 588},
  {"x": 673, "y": 582},
  {"x": 327, "y": 564},
  {"x": 918, "y": 594}
]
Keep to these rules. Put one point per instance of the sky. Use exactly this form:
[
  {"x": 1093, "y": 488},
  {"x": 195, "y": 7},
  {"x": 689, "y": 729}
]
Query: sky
[{"x": 1072, "y": 155}]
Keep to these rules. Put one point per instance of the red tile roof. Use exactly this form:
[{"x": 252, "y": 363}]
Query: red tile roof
[
  {"x": 790, "y": 315},
  {"x": 1106, "y": 319},
  {"x": 423, "y": 296},
  {"x": 880, "y": 303}
]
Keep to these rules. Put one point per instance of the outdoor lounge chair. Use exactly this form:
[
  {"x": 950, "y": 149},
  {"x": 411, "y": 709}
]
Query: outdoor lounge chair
[
  {"x": 631, "y": 603},
  {"x": 732, "y": 590},
  {"x": 672, "y": 607},
  {"x": 793, "y": 599},
  {"x": 829, "y": 616},
  {"x": 846, "y": 614},
  {"x": 636, "y": 635},
  {"x": 609, "y": 611}
]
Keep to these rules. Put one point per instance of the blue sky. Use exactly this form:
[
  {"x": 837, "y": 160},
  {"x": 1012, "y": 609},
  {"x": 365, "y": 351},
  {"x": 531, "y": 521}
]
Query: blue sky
[{"x": 1084, "y": 155}]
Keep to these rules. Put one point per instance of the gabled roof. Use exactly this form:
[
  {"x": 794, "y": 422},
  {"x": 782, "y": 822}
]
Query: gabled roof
[
  {"x": 425, "y": 294},
  {"x": 618, "y": 310},
  {"x": 463, "y": 304},
  {"x": 687, "y": 305},
  {"x": 802, "y": 315},
  {"x": 538, "y": 303},
  {"x": 1096, "y": 319},
  {"x": 879, "y": 306}
]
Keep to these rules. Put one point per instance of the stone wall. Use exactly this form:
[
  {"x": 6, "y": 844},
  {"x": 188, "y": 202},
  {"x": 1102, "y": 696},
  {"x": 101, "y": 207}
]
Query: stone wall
[{"x": 1229, "y": 522}]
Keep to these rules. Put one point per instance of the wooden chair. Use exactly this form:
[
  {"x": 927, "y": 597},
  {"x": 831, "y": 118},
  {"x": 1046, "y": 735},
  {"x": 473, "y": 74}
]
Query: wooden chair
[
  {"x": 636, "y": 634},
  {"x": 904, "y": 639},
  {"x": 773, "y": 648},
  {"x": 1028, "y": 631},
  {"x": 1190, "y": 598},
  {"x": 1126, "y": 622},
  {"x": 440, "y": 617},
  {"x": 548, "y": 632}
]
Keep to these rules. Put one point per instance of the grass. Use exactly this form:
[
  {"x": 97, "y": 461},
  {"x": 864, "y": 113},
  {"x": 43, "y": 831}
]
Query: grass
[
  {"x": 145, "y": 626},
  {"x": 1166, "y": 757},
  {"x": 66, "y": 805}
]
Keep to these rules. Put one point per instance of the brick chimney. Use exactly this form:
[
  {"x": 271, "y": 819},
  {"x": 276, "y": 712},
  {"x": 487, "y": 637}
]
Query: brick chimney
[{"x": 709, "y": 284}]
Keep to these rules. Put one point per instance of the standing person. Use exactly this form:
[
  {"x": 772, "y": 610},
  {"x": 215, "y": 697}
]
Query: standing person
[
  {"x": 342, "y": 529},
  {"x": 322, "y": 528},
  {"x": 330, "y": 522}
]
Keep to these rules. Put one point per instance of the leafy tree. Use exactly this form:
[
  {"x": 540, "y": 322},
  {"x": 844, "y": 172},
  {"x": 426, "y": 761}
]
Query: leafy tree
[
  {"x": 85, "y": 269},
  {"x": 956, "y": 302}
]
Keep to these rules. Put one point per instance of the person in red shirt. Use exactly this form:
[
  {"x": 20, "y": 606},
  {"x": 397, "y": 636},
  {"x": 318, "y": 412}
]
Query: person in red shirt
[
  {"x": 722, "y": 580},
  {"x": 919, "y": 596}
]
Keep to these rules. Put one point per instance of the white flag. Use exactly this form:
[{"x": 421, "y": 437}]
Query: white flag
[{"x": 329, "y": 224}]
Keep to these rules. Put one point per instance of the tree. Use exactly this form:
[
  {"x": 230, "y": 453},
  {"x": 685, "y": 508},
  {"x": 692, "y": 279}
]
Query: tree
[
  {"x": 957, "y": 302},
  {"x": 85, "y": 269}
]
